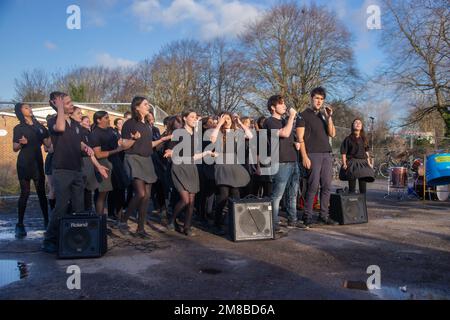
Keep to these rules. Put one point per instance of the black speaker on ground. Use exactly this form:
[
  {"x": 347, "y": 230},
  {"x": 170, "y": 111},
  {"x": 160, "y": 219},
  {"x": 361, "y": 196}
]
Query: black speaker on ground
[
  {"x": 82, "y": 236},
  {"x": 250, "y": 219},
  {"x": 348, "y": 208}
]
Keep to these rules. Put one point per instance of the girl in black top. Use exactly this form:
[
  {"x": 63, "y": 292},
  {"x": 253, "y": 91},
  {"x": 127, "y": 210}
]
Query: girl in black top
[
  {"x": 229, "y": 176},
  {"x": 185, "y": 175},
  {"x": 116, "y": 197},
  {"x": 356, "y": 162},
  {"x": 28, "y": 138},
  {"x": 138, "y": 145},
  {"x": 105, "y": 144}
]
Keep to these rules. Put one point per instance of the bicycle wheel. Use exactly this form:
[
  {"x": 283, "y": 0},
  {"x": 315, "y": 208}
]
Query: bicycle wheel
[{"x": 384, "y": 170}]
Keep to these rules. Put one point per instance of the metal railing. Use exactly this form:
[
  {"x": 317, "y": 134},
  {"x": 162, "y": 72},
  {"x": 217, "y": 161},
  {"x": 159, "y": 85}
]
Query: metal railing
[{"x": 113, "y": 106}]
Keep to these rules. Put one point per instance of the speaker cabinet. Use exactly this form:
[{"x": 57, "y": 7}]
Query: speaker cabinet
[
  {"x": 348, "y": 208},
  {"x": 250, "y": 219},
  {"x": 82, "y": 236}
]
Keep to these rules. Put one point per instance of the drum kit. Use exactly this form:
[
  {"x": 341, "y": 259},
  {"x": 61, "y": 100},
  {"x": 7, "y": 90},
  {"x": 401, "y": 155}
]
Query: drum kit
[{"x": 431, "y": 178}]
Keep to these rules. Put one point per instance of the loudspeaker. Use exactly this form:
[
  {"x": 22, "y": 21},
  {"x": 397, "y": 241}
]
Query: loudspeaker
[
  {"x": 82, "y": 236},
  {"x": 250, "y": 219},
  {"x": 348, "y": 208}
]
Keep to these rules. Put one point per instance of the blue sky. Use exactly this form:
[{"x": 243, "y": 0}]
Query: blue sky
[{"x": 33, "y": 33}]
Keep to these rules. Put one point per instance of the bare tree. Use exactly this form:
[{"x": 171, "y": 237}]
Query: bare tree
[
  {"x": 174, "y": 81},
  {"x": 293, "y": 49},
  {"x": 224, "y": 78},
  {"x": 416, "y": 36},
  {"x": 32, "y": 86}
]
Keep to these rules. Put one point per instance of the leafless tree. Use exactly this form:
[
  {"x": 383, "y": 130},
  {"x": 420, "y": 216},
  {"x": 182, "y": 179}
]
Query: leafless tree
[
  {"x": 174, "y": 79},
  {"x": 293, "y": 49},
  {"x": 224, "y": 78},
  {"x": 416, "y": 37},
  {"x": 33, "y": 86}
]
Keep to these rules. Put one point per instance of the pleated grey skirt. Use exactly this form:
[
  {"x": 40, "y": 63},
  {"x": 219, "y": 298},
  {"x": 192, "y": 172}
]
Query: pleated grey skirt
[
  {"x": 88, "y": 172},
  {"x": 360, "y": 169},
  {"x": 233, "y": 175},
  {"x": 105, "y": 185},
  {"x": 185, "y": 177},
  {"x": 138, "y": 167}
]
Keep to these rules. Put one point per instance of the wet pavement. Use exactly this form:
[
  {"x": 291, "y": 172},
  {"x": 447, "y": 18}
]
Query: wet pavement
[{"x": 408, "y": 239}]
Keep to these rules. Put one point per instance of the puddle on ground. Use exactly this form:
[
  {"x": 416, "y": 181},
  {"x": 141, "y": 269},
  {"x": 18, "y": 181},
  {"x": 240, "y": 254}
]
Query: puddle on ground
[
  {"x": 12, "y": 271},
  {"x": 31, "y": 235}
]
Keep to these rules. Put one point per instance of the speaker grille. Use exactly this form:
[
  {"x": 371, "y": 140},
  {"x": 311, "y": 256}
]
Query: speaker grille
[{"x": 251, "y": 220}]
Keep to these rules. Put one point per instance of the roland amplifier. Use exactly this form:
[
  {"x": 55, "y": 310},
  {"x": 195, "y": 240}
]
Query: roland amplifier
[
  {"x": 250, "y": 219},
  {"x": 348, "y": 208},
  {"x": 82, "y": 236}
]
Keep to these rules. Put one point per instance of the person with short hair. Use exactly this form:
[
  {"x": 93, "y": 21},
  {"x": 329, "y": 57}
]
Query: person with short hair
[
  {"x": 315, "y": 128},
  {"x": 286, "y": 180},
  {"x": 68, "y": 146}
]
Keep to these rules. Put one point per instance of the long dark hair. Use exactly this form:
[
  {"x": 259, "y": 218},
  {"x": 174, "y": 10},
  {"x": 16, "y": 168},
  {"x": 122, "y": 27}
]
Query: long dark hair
[
  {"x": 171, "y": 124},
  {"x": 37, "y": 126},
  {"x": 362, "y": 133},
  {"x": 134, "y": 104},
  {"x": 98, "y": 115}
]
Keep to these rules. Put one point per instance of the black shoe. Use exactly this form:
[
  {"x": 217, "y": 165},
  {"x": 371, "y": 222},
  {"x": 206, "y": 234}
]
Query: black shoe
[
  {"x": 328, "y": 221},
  {"x": 143, "y": 235},
  {"x": 190, "y": 233},
  {"x": 297, "y": 224},
  {"x": 20, "y": 231},
  {"x": 308, "y": 223},
  {"x": 219, "y": 231},
  {"x": 49, "y": 247},
  {"x": 277, "y": 229}
]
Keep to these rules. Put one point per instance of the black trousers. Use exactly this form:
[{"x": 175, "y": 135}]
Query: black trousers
[{"x": 69, "y": 187}]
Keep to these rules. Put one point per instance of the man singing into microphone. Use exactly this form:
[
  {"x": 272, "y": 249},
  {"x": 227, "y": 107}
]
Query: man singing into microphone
[
  {"x": 313, "y": 132},
  {"x": 286, "y": 180}
]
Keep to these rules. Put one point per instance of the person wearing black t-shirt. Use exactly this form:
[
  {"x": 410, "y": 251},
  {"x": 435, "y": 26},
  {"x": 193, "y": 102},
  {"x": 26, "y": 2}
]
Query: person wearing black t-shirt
[
  {"x": 158, "y": 199},
  {"x": 28, "y": 138},
  {"x": 314, "y": 130},
  {"x": 68, "y": 146},
  {"x": 286, "y": 180},
  {"x": 105, "y": 144},
  {"x": 138, "y": 145},
  {"x": 355, "y": 158},
  {"x": 120, "y": 182},
  {"x": 87, "y": 167},
  {"x": 229, "y": 175},
  {"x": 185, "y": 175}
]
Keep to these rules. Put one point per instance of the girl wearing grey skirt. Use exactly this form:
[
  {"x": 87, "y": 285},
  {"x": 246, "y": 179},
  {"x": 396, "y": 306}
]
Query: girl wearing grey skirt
[
  {"x": 106, "y": 148},
  {"x": 356, "y": 163},
  {"x": 185, "y": 175},
  {"x": 138, "y": 145},
  {"x": 229, "y": 176}
]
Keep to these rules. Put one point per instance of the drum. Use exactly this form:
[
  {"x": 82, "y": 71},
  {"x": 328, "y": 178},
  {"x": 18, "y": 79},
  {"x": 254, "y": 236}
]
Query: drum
[
  {"x": 399, "y": 177},
  {"x": 443, "y": 192},
  {"x": 438, "y": 169}
]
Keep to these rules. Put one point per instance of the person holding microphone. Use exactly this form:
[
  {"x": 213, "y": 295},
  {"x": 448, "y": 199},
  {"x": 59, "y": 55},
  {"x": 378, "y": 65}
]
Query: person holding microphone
[{"x": 315, "y": 128}]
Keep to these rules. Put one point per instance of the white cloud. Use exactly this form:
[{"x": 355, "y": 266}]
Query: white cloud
[
  {"x": 106, "y": 60},
  {"x": 213, "y": 18},
  {"x": 50, "y": 45}
]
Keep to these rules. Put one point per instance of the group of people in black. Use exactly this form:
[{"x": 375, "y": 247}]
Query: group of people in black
[{"x": 93, "y": 165}]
